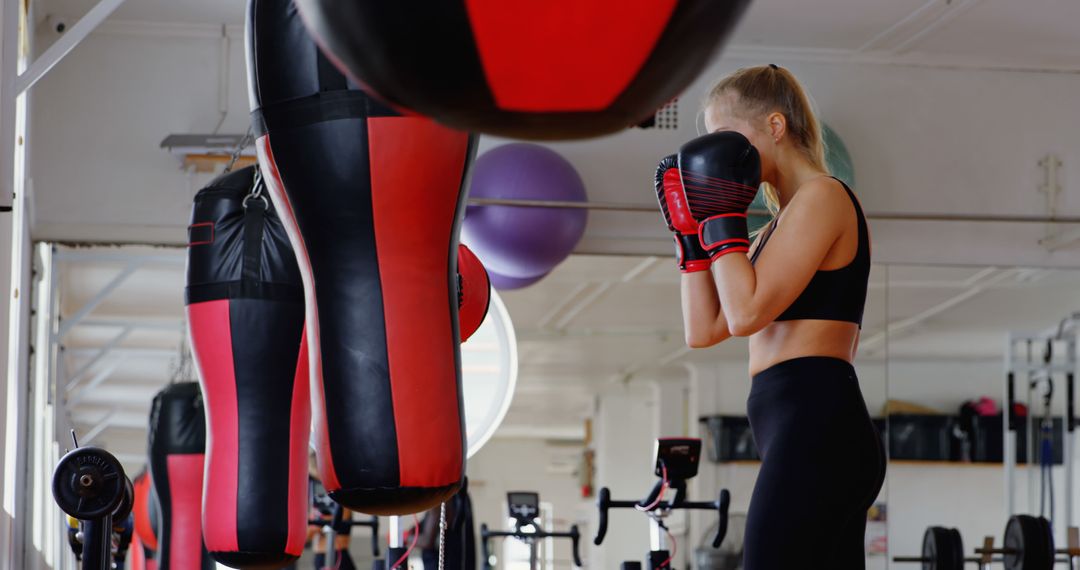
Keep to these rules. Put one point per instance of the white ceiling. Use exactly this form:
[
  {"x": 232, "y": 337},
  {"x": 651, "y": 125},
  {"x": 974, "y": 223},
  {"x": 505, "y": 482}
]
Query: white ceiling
[{"x": 1030, "y": 32}]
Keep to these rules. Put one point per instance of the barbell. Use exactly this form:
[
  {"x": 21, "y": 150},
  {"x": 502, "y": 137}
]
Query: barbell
[{"x": 1028, "y": 545}]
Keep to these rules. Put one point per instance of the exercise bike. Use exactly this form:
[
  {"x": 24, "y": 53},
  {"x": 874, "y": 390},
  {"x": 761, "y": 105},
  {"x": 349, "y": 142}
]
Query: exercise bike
[
  {"x": 525, "y": 510},
  {"x": 676, "y": 461}
]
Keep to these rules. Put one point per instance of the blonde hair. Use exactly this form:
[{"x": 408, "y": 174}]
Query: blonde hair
[{"x": 772, "y": 89}]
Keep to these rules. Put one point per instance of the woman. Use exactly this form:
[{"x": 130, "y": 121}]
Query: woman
[{"x": 799, "y": 295}]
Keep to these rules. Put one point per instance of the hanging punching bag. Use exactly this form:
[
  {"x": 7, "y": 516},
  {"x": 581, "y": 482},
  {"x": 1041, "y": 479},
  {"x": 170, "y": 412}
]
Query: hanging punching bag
[
  {"x": 245, "y": 309},
  {"x": 177, "y": 445},
  {"x": 372, "y": 201},
  {"x": 535, "y": 69},
  {"x": 145, "y": 515}
]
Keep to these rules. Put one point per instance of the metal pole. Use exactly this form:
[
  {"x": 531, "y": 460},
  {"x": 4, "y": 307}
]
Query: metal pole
[
  {"x": 1009, "y": 430},
  {"x": 67, "y": 42},
  {"x": 395, "y": 533},
  {"x": 1070, "y": 426},
  {"x": 1029, "y": 453},
  {"x": 534, "y": 558},
  {"x": 889, "y": 216},
  {"x": 656, "y": 536}
]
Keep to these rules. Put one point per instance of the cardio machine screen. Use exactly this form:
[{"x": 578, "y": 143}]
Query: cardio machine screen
[
  {"x": 680, "y": 456},
  {"x": 524, "y": 506}
]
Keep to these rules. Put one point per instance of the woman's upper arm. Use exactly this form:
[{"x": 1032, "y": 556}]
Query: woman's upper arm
[{"x": 813, "y": 222}]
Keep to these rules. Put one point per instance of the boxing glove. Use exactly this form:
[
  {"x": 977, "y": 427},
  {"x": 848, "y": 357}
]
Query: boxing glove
[
  {"x": 720, "y": 176},
  {"x": 689, "y": 254}
]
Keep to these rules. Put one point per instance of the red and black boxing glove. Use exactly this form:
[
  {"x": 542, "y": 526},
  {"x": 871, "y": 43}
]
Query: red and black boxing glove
[
  {"x": 689, "y": 253},
  {"x": 720, "y": 175}
]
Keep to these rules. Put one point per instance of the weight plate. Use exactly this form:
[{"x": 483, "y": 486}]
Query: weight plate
[
  {"x": 942, "y": 549},
  {"x": 126, "y": 503},
  {"x": 957, "y": 542},
  {"x": 88, "y": 483},
  {"x": 1046, "y": 545},
  {"x": 1029, "y": 544}
]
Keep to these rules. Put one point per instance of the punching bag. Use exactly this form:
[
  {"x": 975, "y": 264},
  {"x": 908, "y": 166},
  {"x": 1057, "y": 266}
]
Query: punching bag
[
  {"x": 245, "y": 309},
  {"x": 536, "y": 69},
  {"x": 474, "y": 292},
  {"x": 145, "y": 516},
  {"x": 177, "y": 444},
  {"x": 372, "y": 202}
]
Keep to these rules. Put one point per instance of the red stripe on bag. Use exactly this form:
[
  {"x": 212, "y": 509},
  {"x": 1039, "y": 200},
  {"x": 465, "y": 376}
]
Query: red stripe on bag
[{"x": 417, "y": 161}]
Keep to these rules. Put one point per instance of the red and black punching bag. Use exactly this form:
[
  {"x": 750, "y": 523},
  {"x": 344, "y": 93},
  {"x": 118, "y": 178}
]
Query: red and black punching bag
[
  {"x": 372, "y": 201},
  {"x": 537, "y": 69},
  {"x": 177, "y": 445},
  {"x": 145, "y": 515},
  {"x": 245, "y": 309}
]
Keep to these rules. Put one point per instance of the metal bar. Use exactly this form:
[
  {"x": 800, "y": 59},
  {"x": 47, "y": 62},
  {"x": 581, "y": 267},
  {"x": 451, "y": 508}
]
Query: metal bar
[
  {"x": 1009, "y": 434},
  {"x": 67, "y": 42},
  {"x": 157, "y": 324},
  {"x": 81, "y": 255},
  {"x": 1043, "y": 368},
  {"x": 133, "y": 351},
  {"x": 102, "y": 352},
  {"x": 90, "y": 305},
  {"x": 93, "y": 383},
  {"x": 99, "y": 427},
  {"x": 888, "y": 216},
  {"x": 395, "y": 535}
]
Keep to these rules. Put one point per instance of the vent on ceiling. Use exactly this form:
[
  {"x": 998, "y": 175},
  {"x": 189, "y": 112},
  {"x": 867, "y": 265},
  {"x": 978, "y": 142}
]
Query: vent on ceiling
[{"x": 666, "y": 117}]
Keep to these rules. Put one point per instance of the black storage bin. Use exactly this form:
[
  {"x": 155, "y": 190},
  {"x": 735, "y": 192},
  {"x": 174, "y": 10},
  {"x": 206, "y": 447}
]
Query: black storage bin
[
  {"x": 922, "y": 437},
  {"x": 987, "y": 443},
  {"x": 729, "y": 439}
]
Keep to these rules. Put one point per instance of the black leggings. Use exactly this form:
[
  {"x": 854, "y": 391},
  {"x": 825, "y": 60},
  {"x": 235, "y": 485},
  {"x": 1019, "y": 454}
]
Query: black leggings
[{"x": 821, "y": 467}]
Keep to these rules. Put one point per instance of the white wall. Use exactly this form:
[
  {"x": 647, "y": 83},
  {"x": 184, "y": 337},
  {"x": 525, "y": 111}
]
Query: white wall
[{"x": 624, "y": 432}]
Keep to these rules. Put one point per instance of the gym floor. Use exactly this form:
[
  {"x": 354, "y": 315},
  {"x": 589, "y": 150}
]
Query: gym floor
[{"x": 958, "y": 125}]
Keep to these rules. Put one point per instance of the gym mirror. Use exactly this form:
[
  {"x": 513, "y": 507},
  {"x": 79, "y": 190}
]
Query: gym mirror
[{"x": 954, "y": 335}]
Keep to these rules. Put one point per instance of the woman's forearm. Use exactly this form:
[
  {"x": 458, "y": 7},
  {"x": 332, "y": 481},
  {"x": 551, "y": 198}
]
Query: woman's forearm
[
  {"x": 703, "y": 320},
  {"x": 736, "y": 285}
]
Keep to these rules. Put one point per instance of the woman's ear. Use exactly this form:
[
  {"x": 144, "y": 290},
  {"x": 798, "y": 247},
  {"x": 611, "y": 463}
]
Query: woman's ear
[{"x": 777, "y": 125}]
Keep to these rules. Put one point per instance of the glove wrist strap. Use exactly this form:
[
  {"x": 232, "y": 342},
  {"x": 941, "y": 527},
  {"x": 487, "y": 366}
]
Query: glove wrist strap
[
  {"x": 724, "y": 234},
  {"x": 690, "y": 255}
]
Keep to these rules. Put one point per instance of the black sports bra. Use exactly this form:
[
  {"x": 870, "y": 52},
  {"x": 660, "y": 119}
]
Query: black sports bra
[{"x": 835, "y": 294}]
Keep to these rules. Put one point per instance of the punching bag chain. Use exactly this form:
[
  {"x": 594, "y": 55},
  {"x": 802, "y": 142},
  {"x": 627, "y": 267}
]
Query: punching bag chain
[
  {"x": 442, "y": 537},
  {"x": 240, "y": 146}
]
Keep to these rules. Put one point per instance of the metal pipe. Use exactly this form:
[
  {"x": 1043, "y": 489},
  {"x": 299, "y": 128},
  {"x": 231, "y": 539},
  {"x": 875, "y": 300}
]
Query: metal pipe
[
  {"x": 887, "y": 216},
  {"x": 395, "y": 540},
  {"x": 67, "y": 42}
]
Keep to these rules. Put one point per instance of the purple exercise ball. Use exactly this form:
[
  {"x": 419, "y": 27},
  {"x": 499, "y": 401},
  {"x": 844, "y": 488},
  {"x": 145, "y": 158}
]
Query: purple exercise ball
[
  {"x": 524, "y": 242},
  {"x": 504, "y": 283}
]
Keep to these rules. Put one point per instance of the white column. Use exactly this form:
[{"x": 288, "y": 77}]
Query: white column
[
  {"x": 11, "y": 396},
  {"x": 624, "y": 434}
]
